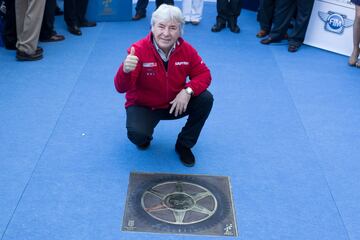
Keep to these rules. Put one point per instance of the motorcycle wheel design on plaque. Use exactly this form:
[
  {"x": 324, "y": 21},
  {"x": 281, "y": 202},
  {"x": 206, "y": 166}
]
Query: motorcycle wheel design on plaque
[{"x": 185, "y": 204}]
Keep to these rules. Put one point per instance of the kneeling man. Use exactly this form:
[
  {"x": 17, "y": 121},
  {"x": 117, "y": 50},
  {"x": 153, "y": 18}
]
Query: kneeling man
[{"x": 154, "y": 77}]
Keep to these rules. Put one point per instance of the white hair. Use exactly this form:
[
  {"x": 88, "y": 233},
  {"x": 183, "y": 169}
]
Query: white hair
[{"x": 165, "y": 13}]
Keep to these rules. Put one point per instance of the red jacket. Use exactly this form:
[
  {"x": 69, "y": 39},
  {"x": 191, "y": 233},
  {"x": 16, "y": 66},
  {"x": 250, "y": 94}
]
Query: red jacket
[{"x": 151, "y": 85}]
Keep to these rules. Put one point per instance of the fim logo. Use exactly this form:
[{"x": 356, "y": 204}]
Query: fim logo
[
  {"x": 335, "y": 22},
  {"x": 107, "y": 10}
]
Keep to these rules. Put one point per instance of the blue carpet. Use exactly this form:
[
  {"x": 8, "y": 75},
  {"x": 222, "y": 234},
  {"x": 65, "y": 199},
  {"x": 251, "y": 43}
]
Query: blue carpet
[{"x": 284, "y": 127}]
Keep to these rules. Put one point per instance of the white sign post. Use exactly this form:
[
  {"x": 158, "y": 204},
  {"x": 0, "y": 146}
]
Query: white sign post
[{"x": 331, "y": 26}]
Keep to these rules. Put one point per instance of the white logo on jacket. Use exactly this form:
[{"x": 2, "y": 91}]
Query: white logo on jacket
[
  {"x": 181, "y": 63},
  {"x": 149, "y": 64}
]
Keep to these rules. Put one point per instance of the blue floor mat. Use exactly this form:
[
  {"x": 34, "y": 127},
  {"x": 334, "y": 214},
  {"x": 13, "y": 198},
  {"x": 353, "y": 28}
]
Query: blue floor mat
[{"x": 284, "y": 128}]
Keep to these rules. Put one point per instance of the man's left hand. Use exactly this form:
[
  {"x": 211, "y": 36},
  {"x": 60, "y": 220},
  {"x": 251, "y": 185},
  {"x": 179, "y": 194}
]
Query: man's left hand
[{"x": 180, "y": 103}]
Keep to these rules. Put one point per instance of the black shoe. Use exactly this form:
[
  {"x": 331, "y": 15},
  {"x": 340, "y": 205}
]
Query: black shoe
[
  {"x": 138, "y": 17},
  {"x": 53, "y": 38},
  {"x": 87, "y": 24},
  {"x": 293, "y": 48},
  {"x": 185, "y": 154},
  {"x": 39, "y": 50},
  {"x": 262, "y": 33},
  {"x": 144, "y": 145},
  {"x": 23, "y": 56},
  {"x": 234, "y": 27},
  {"x": 74, "y": 30},
  {"x": 269, "y": 40},
  {"x": 218, "y": 27}
]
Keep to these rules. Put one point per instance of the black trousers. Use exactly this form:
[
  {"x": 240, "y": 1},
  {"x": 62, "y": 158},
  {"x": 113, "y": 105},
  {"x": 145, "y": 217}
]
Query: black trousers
[
  {"x": 284, "y": 11},
  {"x": 9, "y": 31},
  {"x": 74, "y": 11},
  {"x": 47, "y": 26},
  {"x": 141, "y": 5},
  {"x": 265, "y": 14},
  {"x": 141, "y": 121},
  {"x": 159, "y": 2},
  {"x": 228, "y": 11}
]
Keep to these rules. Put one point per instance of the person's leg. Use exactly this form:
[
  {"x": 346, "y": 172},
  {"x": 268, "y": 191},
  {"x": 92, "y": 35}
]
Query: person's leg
[
  {"x": 159, "y": 2},
  {"x": 221, "y": 18},
  {"x": 140, "y": 8},
  {"x": 20, "y": 12},
  {"x": 140, "y": 124},
  {"x": 47, "y": 26},
  {"x": 169, "y": 2},
  {"x": 234, "y": 10},
  {"x": 186, "y": 9},
  {"x": 284, "y": 11},
  {"x": 356, "y": 38},
  {"x": 81, "y": 8},
  {"x": 197, "y": 10},
  {"x": 70, "y": 16},
  {"x": 296, "y": 38},
  {"x": 265, "y": 15},
  {"x": 9, "y": 34},
  {"x": 222, "y": 7},
  {"x": 29, "y": 27},
  {"x": 198, "y": 111}
]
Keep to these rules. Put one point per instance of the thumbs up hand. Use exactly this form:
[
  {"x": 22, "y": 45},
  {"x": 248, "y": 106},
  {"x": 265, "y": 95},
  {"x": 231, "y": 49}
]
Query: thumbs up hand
[{"x": 131, "y": 61}]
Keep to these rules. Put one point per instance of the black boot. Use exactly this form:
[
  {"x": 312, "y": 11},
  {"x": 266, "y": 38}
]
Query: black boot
[
  {"x": 185, "y": 154},
  {"x": 232, "y": 24},
  {"x": 218, "y": 27}
]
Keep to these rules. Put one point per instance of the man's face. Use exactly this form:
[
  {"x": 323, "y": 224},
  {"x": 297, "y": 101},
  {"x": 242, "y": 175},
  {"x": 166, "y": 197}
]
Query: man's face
[{"x": 166, "y": 34}]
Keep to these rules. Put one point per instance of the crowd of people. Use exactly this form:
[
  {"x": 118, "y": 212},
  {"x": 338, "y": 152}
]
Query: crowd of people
[
  {"x": 28, "y": 22},
  {"x": 274, "y": 17}
]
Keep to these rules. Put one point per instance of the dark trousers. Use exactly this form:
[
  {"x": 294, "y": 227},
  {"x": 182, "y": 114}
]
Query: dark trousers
[
  {"x": 284, "y": 11},
  {"x": 228, "y": 11},
  {"x": 141, "y": 121},
  {"x": 9, "y": 31},
  {"x": 159, "y": 2},
  {"x": 141, "y": 5},
  {"x": 265, "y": 14},
  {"x": 47, "y": 26},
  {"x": 74, "y": 11}
]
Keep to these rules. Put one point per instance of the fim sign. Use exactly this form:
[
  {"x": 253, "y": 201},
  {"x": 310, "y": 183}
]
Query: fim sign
[
  {"x": 107, "y": 8},
  {"x": 335, "y": 22}
]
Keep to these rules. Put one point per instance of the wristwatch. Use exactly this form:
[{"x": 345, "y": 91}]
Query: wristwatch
[{"x": 189, "y": 91}]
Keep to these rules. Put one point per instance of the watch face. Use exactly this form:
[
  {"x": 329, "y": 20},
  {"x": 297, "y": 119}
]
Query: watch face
[{"x": 189, "y": 91}]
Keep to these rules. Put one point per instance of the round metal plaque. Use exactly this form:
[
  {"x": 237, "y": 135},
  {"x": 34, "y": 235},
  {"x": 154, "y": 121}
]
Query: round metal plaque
[{"x": 179, "y": 203}]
